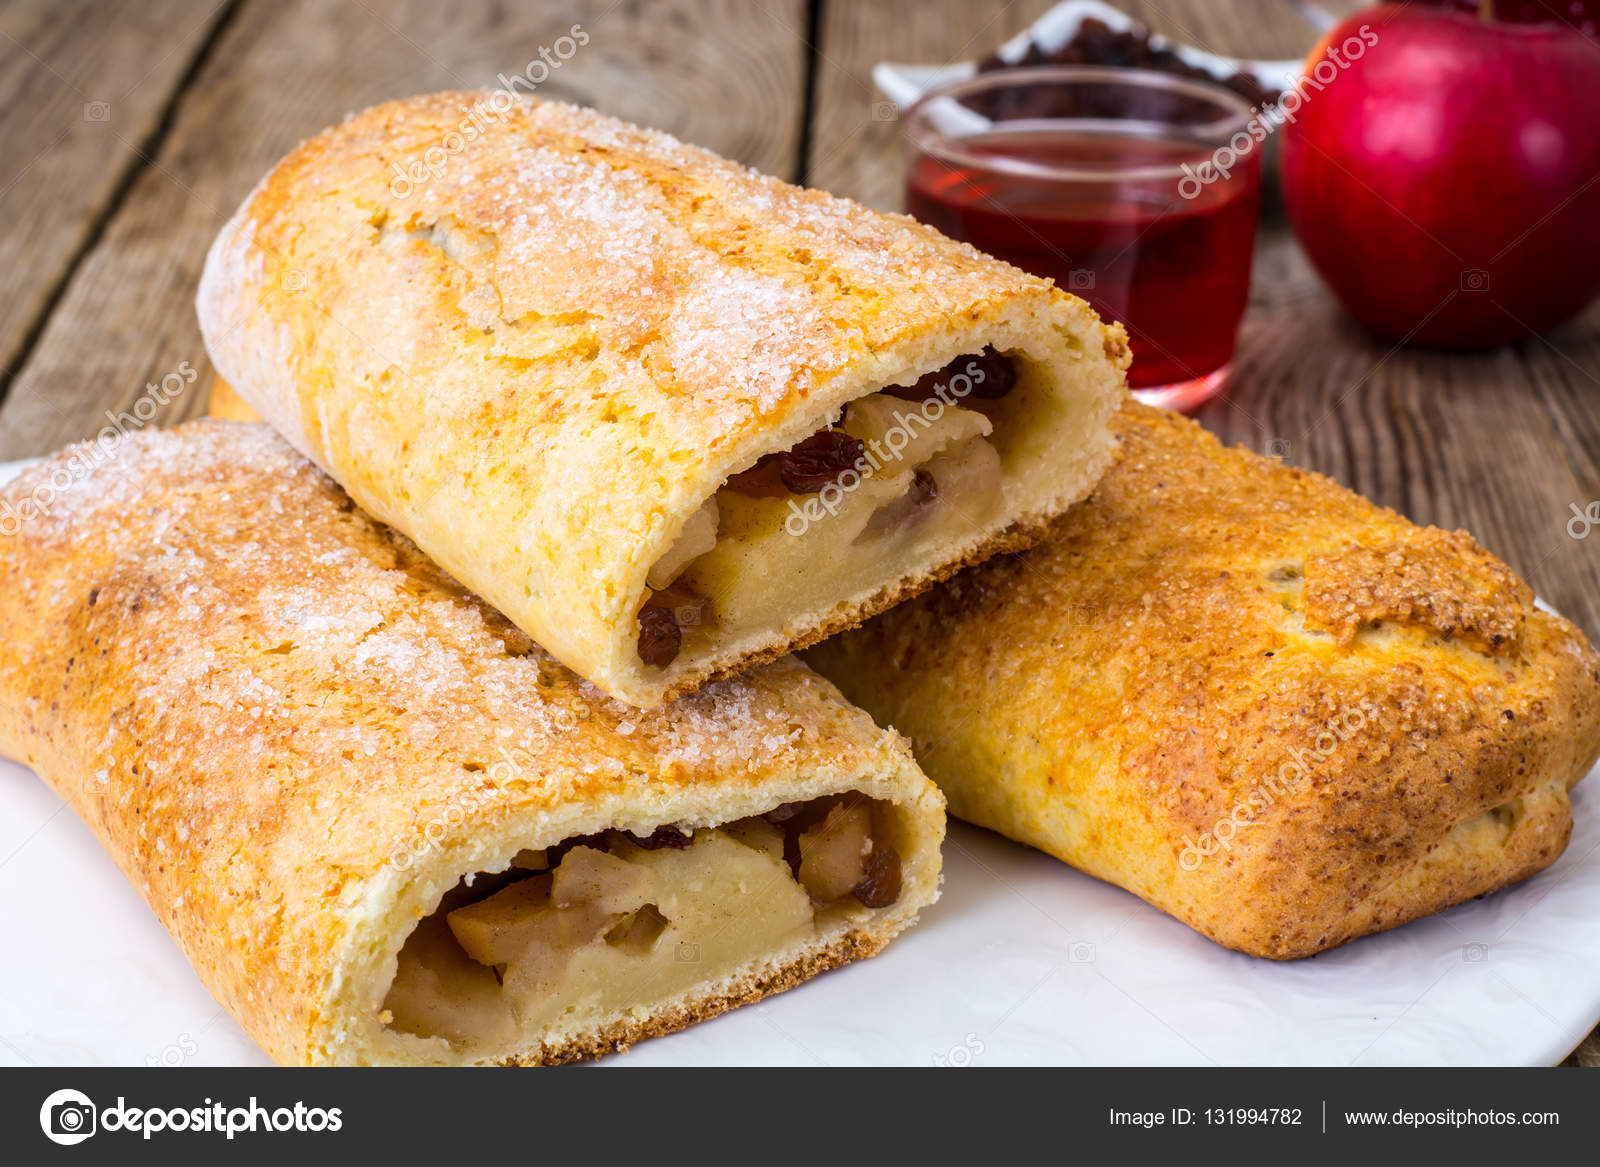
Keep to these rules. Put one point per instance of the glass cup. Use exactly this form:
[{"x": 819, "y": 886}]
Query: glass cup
[{"x": 1134, "y": 189}]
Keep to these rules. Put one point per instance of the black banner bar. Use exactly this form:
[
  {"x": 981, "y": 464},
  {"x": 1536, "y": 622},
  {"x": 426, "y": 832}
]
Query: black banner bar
[{"x": 137, "y": 1115}]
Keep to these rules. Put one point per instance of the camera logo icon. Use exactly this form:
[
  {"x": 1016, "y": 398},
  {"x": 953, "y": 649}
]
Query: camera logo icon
[
  {"x": 67, "y": 1117},
  {"x": 1475, "y": 953},
  {"x": 1080, "y": 279},
  {"x": 97, "y": 111},
  {"x": 1474, "y": 279}
]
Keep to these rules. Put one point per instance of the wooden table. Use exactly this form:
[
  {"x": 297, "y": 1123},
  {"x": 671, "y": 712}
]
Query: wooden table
[{"x": 133, "y": 130}]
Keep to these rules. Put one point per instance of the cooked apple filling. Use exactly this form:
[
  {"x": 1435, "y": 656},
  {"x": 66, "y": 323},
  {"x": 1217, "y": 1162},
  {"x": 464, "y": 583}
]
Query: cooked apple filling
[
  {"x": 898, "y": 470},
  {"x": 613, "y": 922}
]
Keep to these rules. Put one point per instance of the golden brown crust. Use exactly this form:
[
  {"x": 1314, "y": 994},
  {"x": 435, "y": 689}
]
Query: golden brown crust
[
  {"x": 1441, "y": 581},
  {"x": 294, "y": 733},
  {"x": 541, "y": 359},
  {"x": 1246, "y": 694},
  {"x": 1479, "y": 856}
]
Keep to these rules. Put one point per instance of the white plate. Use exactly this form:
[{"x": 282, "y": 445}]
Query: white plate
[
  {"x": 903, "y": 83},
  {"x": 1024, "y": 961}
]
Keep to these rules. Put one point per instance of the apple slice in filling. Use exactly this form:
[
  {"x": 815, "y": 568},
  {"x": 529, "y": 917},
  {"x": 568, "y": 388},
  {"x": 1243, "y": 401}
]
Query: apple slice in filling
[
  {"x": 618, "y": 924},
  {"x": 858, "y": 504}
]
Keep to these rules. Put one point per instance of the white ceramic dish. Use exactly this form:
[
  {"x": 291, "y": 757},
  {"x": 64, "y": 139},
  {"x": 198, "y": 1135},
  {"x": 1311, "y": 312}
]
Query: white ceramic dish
[{"x": 1023, "y": 962}]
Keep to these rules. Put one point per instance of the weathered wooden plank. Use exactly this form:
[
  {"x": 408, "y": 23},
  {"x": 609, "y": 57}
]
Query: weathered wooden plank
[
  {"x": 83, "y": 88},
  {"x": 727, "y": 74},
  {"x": 855, "y": 135}
]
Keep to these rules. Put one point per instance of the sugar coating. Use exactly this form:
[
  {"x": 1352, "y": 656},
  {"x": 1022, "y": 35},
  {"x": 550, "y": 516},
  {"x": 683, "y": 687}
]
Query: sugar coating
[{"x": 261, "y": 616}]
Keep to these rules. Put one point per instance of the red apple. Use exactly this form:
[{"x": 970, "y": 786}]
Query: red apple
[
  {"x": 1446, "y": 184},
  {"x": 1583, "y": 15}
]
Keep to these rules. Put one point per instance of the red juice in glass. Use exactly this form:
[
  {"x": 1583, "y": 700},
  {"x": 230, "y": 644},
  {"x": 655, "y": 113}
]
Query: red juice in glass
[{"x": 1129, "y": 212}]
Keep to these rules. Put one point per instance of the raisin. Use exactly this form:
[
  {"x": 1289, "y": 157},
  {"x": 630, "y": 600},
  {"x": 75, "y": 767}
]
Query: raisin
[
  {"x": 819, "y": 461},
  {"x": 1097, "y": 43},
  {"x": 660, "y": 638},
  {"x": 806, "y": 469},
  {"x": 782, "y": 814},
  {"x": 998, "y": 377},
  {"x": 666, "y": 836},
  {"x": 880, "y": 885},
  {"x": 999, "y": 374}
]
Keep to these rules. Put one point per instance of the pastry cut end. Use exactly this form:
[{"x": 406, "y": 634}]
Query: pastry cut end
[
  {"x": 576, "y": 947},
  {"x": 946, "y": 462}
]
